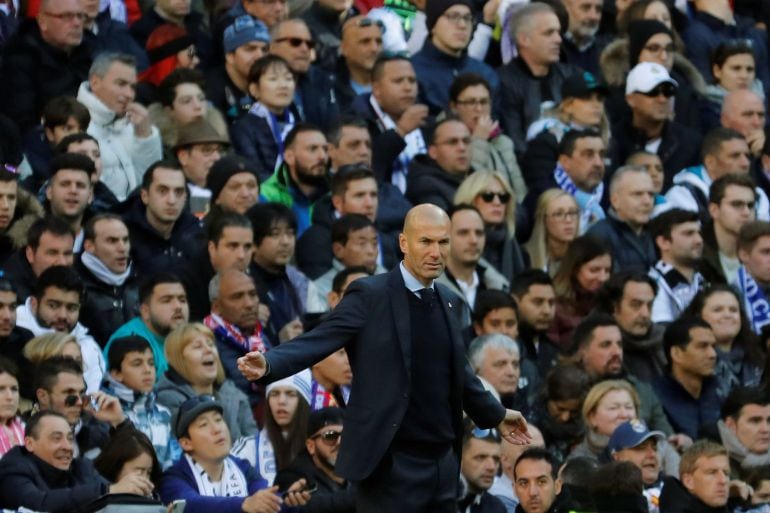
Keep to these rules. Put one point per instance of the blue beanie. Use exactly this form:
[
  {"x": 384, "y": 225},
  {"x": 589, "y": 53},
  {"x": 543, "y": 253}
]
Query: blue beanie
[{"x": 244, "y": 29}]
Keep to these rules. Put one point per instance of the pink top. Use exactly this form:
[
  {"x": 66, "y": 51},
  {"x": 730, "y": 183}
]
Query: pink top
[{"x": 16, "y": 426}]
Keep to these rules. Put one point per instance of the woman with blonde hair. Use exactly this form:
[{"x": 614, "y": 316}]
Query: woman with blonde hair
[
  {"x": 194, "y": 368},
  {"x": 557, "y": 223},
  {"x": 42, "y": 348},
  {"x": 490, "y": 193}
]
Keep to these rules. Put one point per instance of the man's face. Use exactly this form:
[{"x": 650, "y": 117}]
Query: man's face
[
  {"x": 277, "y": 248},
  {"x": 233, "y": 250},
  {"x": 752, "y": 427},
  {"x": 733, "y": 156},
  {"x": 59, "y": 132},
  {"x": 240, "y": 193},
  {"x": 396, "y": 89},
  {"x": 735, "y": 209},
  {"x": 586, "y": 164},
  {"x": 654, "y": 166},
  {"x": 165, "y": 198},
  {"x": 603, "y": 355},
  {"x": 501, "y": 368},
  {"x": 208, "y": 438},
  {"x": 361, "y": 249},
  {"x": 111, "y": 244},
  {"x": 269, "y": 12},
  {"x": 117, "y": 88},
  {"x": 241, "y": 59},
  {"x": 54, "y": 443},
  {"x": 645, "y": 457},
  {"x": 709, "y": 481},
  {"x": 685, "y": 245},
  {"x": 69, "y": 193},
  {"x": 7, "y": 312},
  {"x": 361, "y": 45},
  {"x": 238, "y": 302},
  {"x": 537, "y": 307},
  {"x": 8, "y": 192},
  {"x": 453, "y": 29},
  {"x": 90, "y": 149},
  {"x": 137, "y": 371},
  {"x": 176, "y": 8},
  {"x": 324, "y": 452},
  {"x": 300, "y": 56},
  {"x": 354, "y": 147},
  {"x": 166, "y": 309},
  {"x": 499, "y": 320},
  {"x": 335, "y": 368},
  {"x": 307, "y": 158},
  {"x": 52, "y": 250},
  {"x": 634, "y": 198},
  {"x": 699, "y": 356},
  {"x": 584, "y": 17},
  {"x": 480, "y": 461},
  {"x": 58, "y": 309},
  {"x": 451, "y": 148},
  {"x": 197, "y": 160},
  {"x": 634, "y": 311},
  {"x": 656, "y": 108},
  {"x": 542, "y": 41},
  {"x": 468, "y": 237},
  {"x": 425, "y": 245},
  {"x": 659, "y": 49},
  {"x": 746, "y": 116},
  {"x": 360, "y": 197},
  {"x": 67, "y": 384},
  {"x": 534, "y": 485},
  {"x": 61, "y": 24},
  {"x": 757, "y": 261}
]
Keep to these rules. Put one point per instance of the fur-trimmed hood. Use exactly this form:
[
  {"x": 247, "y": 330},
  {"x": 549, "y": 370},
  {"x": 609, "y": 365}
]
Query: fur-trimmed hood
[
  {"x": 169, "y": 130},
  {"x": 28, "y": 210}
]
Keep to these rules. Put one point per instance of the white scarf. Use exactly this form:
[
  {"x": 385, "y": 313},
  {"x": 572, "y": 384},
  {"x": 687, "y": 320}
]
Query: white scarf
[
  {"x": 232, "y": 484},
  {"x": 101, "y": 271}
]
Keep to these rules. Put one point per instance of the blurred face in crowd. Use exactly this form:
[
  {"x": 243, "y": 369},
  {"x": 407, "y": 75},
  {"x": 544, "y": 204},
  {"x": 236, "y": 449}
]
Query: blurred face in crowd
[
  {"x": 208, "y": 438},
  {"x": 275, "y": 88},
  {"x": 202, "y": 360},
  {"x": 685, "y": 246},
  {"x": 237, "y": 302},
  {"x": 277, "y": 248},
  {"x": 197, "y": 159},
  {"x": 8, "y": 194},
  {"x": 561, "y": 219},
  {"x": 592, "y": 275},
  {"x": 166, "y": 309},
  {"x": 354, "y": 147},
  {"x": 584, "y": 17},
  {"x": 541, "y": 41},
  {"x": 659, "y": 49},
  {"x": 165, "y": 197},
  {"x": 141, "y": 465},
  {"x": 174, "y": 8},
  {"x": 324, "y": 446},
  {"x": 269, "y": 12},
  {"x": 283, "y": 401},
  {"x": 564, "y": 411},
  {"x": 53, "y": 442},
  {"x": 500, "y": 320},
  {"x": 757, "y": 260},
  {"x": 117, "y": 88},
  {"x": 658, "y": 11},
  {"x": 633, "y": 312},
  {"x": 61, "y": 23},
  {"x": 468, "y": 238},
  {"x": 645, "y": 457},
  {"x": 501, "y": 368},
  {"x": 111, "y": 244},
  {"x": 57, "y": 309},
  {"x": 189, "y": 103},
  {"x": 472, "y": 103},
  {"x": 90, "y": 149},
  {"x": 360, "y": 197},
  {"x": 334, "y": 369},
  {"x": 480, "y": 461},
  {"x": 733, "y": 156},
  {"x": 736, "y": 209},
  {"x": 652, "y": 107},
  {"x": 752, "y": 427},
  {"x": 737, "y": 72},
  {"x": 603, "y": 355},
  {"x": 294, "y": 43},
  {"x": 361, "y": 249},
  {"x": 69, "y": 193},
  {"x": 534, "y": 485},
  {"x": 586, "y": 111},
  {"x": 240, "y": 193},
  {"x": 239, "y": 61},
  {"x": 585, "y": 166},
  {"x": 425, "y": 242},
  {"x": 67, "y": 384},
  {"x": 699, "y": 357},
  {"x": 307, "y": 158},
  {"x": 451, "y": 147},
  {"x": 52, "y": 250},
  {"x": 8, "y": 303},
  {"x": 137, "y": 371},
  {"x": 616, "y": 407},
  {"x": 361, "y": 44},
  {"x": 761, "y": 493},
  {"x": 396, "y": 88},
  {"x": 59, "y": 132},
  {"x": 492, "y": 202},
  {"x": 709, "y": 480},
  {"x": 633, "y": 198},
  {"x": 537, "y": 307},
  {"x": 9, "y": 397},
  {"x": 187, "y": 58},
  {"x": 233, "y": 250},
  {"x": 654, "y": 167},
  {"x": 453, "y": 29},
  {"x": 744, "y": 111},
  {"x": 723, "y": 313},
  {"x": 334, "y": 297}
]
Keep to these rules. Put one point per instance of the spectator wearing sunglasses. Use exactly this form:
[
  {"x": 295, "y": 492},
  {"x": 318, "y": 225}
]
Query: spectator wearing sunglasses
[{"x": 649, "y": 92}]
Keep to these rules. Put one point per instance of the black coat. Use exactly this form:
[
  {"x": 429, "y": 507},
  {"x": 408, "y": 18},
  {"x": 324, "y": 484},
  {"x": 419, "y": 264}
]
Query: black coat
[
  {"x": 630, "y": 252},
  {"x": 193, "y": 23},
  {"x": 12, "y": 347},
  {"x": 18, "y": 270},
  {"x": 253, "y": 139},
  {"x": 674, "y": 498},
  {"x": 114, "y": 36},
  {"x": 426, "y": 182},
  {"x": 330, "y": 496}
]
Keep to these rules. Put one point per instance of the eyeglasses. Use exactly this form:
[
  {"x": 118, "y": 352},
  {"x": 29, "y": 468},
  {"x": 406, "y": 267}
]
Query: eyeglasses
[
  {"x": 474, "y": 102},
  {"x": 489, "y": 196},
  {"x": 456, "y": 18},
  {"x": 658, "y": 48},
  {"x": 561, "y": 215},
  {"x": 209, "y": 149},
  {"x": 330, "y": 437},
  {"x": 72, "y": 399},
  {"x": 296, "y": 42},
  {"x": 667, "y": 90},
  {"x": 69, "y": 17},
  {"x": 740, "y": 205}
]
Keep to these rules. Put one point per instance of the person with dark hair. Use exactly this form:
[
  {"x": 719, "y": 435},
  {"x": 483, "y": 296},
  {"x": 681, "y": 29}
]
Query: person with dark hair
[
  {"x": 163, "y": 235},
  {"x": 759, "y": 481},
  {"x": 69, "y": 192},
  {"x": 131, "y": 379},
  {"x": 535, "y": 481},
  {"x": 13, "y": 338},
  {"x": 633, "y": 442},
  {"x": 12, "y": 432},
  {"x": 677, "y": 234},
  {"x": 130, "y": 451},
  {"x": 576, "y": 475},
  {"x": 111, "y": 285},
  {"x": 754, "y": 272},
  {"x": 163, "y": 306},
  {"x": 495, "y": 312},
  {"x": 341, "y": 281},
  {"x": 300, "y": 179},
  {"x": 84, "y": 144},
  {"x": 688, "y": 392},
  {"x": 618, "y": 486},
  {"x": 19, "y": 209},
  {"x": 479, "y": 465},
  {"x": 536, "y": 299},
  {"x": 55, "y": 306}
]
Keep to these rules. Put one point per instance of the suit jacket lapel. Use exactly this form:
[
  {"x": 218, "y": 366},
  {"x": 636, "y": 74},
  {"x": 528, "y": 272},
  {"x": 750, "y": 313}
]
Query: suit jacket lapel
[{"x": 400, "y": 306}]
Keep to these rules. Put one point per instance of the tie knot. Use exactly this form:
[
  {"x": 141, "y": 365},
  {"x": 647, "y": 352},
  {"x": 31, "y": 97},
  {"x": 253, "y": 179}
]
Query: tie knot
[{"x": 427, "y": 295}]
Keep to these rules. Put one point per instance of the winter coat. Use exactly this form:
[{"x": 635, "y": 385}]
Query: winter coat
[
  {"x": 12, "y": 347},
  {"x": 26, "y": 481},
  {"x": 253, "y": 139},
  {"x": 125, "y": 156},
  {"x": 225, "y": 96},
  {"x": 326, "y": 27},
  {"x": 169, "y": 128},
  {"x": 18, "y": 270},
  {"x": 426, "y": 182},
  {"x": 34, "y": 72},
  {"x": 114, "y": 36},
  {"x": 686, "y": 413},
  {"x": 28, "y": 210},
  {"x": 710, "y": 266},
  {"x": 280, "y": 188},
  {"x": 497, "y": 154},
  {"x": 643, "y": 356},
  {"x": 136, "y": 326},
  {"x": 674, "y": 498},
  {"x": 194, "y": 23},
  {"x": 330, "y": 496},
  {"x": 315, "y": 100},
  {"x": 173, "y": 390},
  {"x": 630, "y": 252}
]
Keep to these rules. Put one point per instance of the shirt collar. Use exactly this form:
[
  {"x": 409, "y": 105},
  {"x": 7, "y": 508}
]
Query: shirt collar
[{"x": 412, "y": 283}]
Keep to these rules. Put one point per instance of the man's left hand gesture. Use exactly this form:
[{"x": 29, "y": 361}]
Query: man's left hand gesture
[{"x": 514, "y": 428}]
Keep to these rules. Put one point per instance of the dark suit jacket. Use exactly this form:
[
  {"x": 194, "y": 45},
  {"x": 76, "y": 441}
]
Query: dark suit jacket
[{"x": 372, "y": 323}]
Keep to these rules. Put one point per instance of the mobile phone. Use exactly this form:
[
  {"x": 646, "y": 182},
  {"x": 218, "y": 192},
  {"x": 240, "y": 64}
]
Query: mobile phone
[
  {"x": 178, "y": 506},
  {"x": 311, "y": 488}
]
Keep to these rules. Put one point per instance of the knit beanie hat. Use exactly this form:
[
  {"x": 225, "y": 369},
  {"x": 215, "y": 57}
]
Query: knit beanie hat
[
  {"x": 639, "y": 32},
  {"x": 299, "y": 382},
  {"x": 243, "y": 30},
  {"x": 224, "y": 169},
  {"x": 435, "y": 8}
]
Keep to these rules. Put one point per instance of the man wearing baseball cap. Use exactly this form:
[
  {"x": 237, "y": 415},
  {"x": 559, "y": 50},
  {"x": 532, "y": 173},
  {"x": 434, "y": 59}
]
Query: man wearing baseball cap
[
  {"x": 632, "y": 441},
  {"x": 649, "y": 93}
]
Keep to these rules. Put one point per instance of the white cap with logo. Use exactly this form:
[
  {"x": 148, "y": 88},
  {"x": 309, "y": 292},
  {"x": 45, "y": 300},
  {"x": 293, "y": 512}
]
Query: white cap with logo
[{"x": 646, "y": 76}]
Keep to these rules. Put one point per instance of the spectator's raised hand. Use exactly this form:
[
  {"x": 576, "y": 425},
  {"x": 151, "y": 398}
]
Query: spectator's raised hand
[
  {"x": 263, "y": 501},
  {"x": 134, "y": 484},
  {"x": 107, "y": 409},
  {"x": 138, "y": 115},
  {"x": 412, "y": 118},
  {"x": 253, "y": 365}
]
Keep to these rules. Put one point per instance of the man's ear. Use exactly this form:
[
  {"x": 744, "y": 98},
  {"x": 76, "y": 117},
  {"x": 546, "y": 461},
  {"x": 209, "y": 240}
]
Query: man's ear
[
  {"x": 42, "y": 397},
  {"x": 731, "y": 424},
  {"x": 310, "y": 446},
  {"x": 33, "y": 304},
  {"x": 687, "y": 481},
  {"x": 185, "y": 443}
]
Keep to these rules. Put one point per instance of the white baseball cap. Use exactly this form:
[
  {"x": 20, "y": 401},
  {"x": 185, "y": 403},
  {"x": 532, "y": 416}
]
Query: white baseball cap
[{"x": 646, "y": 76}]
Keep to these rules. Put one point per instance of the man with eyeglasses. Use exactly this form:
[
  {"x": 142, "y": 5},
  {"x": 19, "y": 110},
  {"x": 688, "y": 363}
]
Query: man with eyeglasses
[
  {"x": 316, "y": 464},
  {"x": 479, "y": 466},
  {"x": 45, "y": 58},
  {"x": 444, "y": 55}
]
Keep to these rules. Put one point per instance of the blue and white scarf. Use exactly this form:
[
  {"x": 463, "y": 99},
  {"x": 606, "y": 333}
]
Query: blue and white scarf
[
  {"x": 232, "y": 484},
  {"x": 279, "y": 134},
  {"x": 754, "y": 300},
  {"x": 591, "y": 209}
]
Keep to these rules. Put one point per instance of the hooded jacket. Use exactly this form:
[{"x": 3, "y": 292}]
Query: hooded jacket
[
  {"x": 427, "y": 182},
  {"x": 280, "y": 188}
]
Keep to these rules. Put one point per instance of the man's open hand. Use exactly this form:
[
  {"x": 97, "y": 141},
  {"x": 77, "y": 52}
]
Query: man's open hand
[
  {"x": 514, "y": 428},
  {"x": 253, "y": 366}
]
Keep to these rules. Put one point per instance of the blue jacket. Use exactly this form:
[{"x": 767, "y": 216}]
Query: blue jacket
[
  {"x": 687, "y": 414},
  {"x": 253, "y": 139},
  {"x": 630, "y": 251}
]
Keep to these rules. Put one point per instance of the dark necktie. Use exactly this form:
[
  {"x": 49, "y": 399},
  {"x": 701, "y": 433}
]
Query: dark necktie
[{"x": 428, "y": 296}]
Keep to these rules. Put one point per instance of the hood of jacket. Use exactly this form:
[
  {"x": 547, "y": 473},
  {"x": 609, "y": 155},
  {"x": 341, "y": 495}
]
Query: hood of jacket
[
  {"x": 28, "y": 210},
  {"x": 26, "y": 319}
]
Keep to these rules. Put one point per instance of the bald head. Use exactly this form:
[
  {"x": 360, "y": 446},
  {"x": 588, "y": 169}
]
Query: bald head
[
  {"x": 743, "y": 110},
  {"x": 425, "y": 242},
  {"x": 236, "y": 298}
]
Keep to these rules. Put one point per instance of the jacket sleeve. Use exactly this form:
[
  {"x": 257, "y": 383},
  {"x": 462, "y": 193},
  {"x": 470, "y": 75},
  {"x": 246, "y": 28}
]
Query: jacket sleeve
[
  {"x": 512, "y": 109},
  {"x": 145, "y": 151},
  {"x": 20, "y": 89},
  {"x": 385, "y": 149},
  {"x": 19, "y": 489},
  {"x": 480, "y": 405}
]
